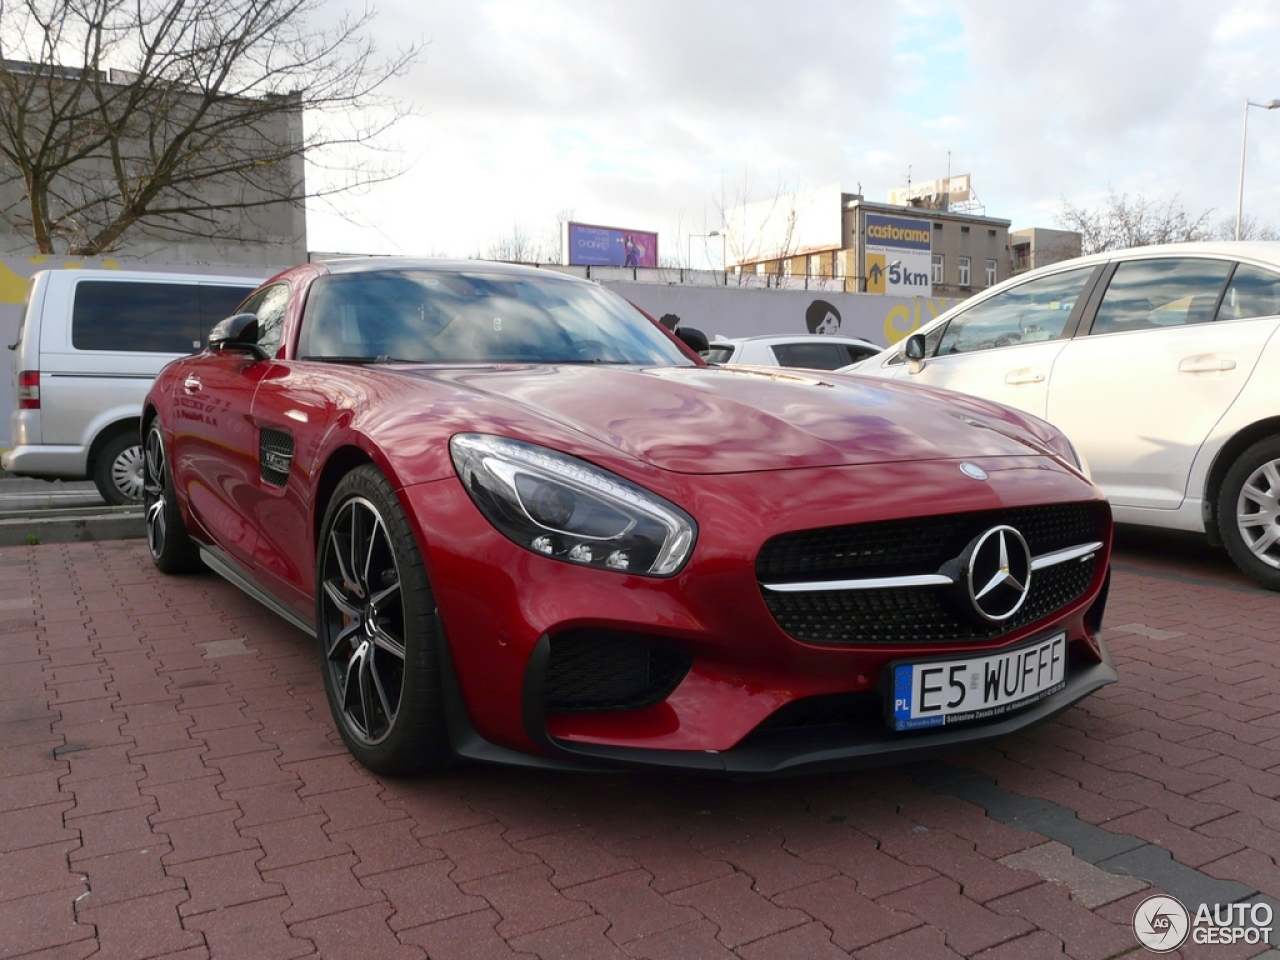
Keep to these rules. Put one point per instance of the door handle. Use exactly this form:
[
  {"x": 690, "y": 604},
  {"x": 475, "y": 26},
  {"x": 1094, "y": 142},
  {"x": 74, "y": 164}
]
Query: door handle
[
  {"x": 191, "y": 384},
  {"x": 1206, "y": 363},
  {"x": 1017, "y": 377}
]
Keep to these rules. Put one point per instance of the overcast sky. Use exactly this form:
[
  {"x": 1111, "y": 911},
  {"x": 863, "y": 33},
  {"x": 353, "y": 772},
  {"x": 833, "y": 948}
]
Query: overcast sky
[{"x": 645, "y": 115}]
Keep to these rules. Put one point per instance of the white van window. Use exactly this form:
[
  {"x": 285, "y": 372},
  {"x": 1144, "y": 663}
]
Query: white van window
[{"x": 147, "y": 317}]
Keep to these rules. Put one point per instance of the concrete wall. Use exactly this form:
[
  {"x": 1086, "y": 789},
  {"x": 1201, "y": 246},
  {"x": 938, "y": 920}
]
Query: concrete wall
[{"x": 736, "y": 312}]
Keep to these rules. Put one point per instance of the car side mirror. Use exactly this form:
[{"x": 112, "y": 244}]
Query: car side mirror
[
  {"x": 914, "y": 351},
  {"x": 693, "y": 338},
  {"x": 239, "y": 332}
]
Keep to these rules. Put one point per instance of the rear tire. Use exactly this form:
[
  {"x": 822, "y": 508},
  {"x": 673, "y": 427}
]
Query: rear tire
[
  {"x": 1249, "y": 512},
  {"x": 172, "y": 549},
  {"x": 119, "y": 471},
  {"x": 378, "y": 631}
]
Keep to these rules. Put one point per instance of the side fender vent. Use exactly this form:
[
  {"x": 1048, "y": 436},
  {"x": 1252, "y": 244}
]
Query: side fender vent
[{"x": 275, "y": 454}]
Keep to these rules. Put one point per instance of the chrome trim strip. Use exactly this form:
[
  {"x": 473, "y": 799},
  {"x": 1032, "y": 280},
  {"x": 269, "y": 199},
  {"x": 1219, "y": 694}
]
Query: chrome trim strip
[
  {"x": 927, "y": 579},
  {"x": 1062, "y": 556},
  {"x": 876, "y": 583}
]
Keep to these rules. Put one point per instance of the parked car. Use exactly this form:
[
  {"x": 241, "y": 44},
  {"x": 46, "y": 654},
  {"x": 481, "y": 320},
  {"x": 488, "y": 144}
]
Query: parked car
[
  {"x": 90, "y": 343},
  {"x": 814, "y": 351},
  {"x": 1160, "y": 363},
  {"x": 527, "y": 525}
]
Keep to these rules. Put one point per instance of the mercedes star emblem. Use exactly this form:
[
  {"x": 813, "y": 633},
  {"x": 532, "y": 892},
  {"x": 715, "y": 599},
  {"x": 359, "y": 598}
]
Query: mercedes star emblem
[{"x": 998, "y": 573}]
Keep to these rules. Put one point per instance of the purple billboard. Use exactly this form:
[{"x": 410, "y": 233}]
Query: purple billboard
[{"x": 587, "y": 245}]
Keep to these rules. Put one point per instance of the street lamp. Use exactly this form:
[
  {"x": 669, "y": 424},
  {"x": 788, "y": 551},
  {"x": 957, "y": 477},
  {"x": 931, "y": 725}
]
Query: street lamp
[
  {"x": 716, "y": 233},
  {"x": 1244, "y": 137}
]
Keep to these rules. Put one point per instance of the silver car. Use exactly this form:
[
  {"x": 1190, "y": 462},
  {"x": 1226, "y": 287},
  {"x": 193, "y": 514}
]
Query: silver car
[{"x": 90, "y": 345}]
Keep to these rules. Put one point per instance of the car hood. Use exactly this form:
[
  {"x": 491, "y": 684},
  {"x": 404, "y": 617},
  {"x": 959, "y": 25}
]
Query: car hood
[{"x": 707, "y": 420}]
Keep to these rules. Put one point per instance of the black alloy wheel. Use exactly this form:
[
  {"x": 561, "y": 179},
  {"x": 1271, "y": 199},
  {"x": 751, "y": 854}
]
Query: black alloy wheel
[
  {"x": 378, "y": 631},
  {"x": 172, "y": 549}
]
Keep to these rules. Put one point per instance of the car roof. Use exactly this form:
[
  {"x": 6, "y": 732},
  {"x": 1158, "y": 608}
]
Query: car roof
[
  {"x": 346, "y": 265},
  {"x": 791, "y": 338}
]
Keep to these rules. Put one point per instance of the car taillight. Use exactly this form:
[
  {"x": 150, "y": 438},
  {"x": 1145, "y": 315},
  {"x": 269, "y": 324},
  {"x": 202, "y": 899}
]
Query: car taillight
[{"x": 29, "y": 390}]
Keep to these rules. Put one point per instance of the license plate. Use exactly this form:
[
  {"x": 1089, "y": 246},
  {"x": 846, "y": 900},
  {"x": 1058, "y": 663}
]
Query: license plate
[{"x": 938, "y": 692}]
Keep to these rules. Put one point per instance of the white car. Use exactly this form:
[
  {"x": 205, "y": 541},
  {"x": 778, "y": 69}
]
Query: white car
[
  {"x": 816, "y": 351},
  {"x": 1162, "y": 364}
]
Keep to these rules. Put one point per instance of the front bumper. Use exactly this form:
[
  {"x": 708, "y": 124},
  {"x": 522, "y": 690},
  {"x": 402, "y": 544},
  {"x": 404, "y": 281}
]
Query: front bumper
[
  {"x": 503, "y": 608},
  {"x": 845, "y": 746}
]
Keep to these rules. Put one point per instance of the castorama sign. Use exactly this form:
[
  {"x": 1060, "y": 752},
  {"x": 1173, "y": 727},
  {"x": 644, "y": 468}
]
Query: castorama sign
[
  {"x": 588, "y": 245},
  {"x": 899, "y": 256}
]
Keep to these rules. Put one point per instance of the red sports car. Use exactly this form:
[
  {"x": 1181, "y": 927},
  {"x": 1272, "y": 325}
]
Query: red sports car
[{"x": 526, "y": 524}]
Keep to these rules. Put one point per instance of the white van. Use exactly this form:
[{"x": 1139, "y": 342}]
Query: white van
[{"x": 89, "y": 346}]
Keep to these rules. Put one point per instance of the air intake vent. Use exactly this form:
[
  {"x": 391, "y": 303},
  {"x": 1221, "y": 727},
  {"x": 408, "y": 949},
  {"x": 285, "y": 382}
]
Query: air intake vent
[
  {"x": 275, "y": 454},
  {"x": 597, "y": 671}
]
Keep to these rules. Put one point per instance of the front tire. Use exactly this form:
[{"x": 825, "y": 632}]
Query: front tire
[
  {"x": 378, "y": 632},
  {"x": 1249, "y": 512},
  {"x": 172, "y": 549},
  {"x": 119, "y": 471}
]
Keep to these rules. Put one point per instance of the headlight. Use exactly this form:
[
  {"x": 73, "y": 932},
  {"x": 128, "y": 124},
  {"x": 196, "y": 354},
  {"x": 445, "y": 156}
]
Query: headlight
[{"x": 565, "y": 508}]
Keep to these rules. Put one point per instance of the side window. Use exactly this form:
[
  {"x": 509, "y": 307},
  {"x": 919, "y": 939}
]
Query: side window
[
  {"x": 122, "y": 315},
  {"x": 816, "y": 356},
  {"x": 269, "y": 305},
  {"x": 1028, "y": 313},
  {"x": 217, "y": 303},
  {"x": 1149, "y": 294},
  {"x": 856, "y": 353},
  {"x": 1253, "y": 292}
]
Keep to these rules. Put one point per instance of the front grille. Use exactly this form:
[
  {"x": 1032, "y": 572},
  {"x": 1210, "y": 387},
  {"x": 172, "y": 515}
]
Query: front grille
[
  {"x": 904, "y": 615},
  {"x": 596, "y": 671},
  {"x": 920, "y": 544}
]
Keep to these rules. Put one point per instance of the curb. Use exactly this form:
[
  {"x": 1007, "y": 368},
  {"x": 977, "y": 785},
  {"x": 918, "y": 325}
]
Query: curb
[{"x": 72, "y": 525}]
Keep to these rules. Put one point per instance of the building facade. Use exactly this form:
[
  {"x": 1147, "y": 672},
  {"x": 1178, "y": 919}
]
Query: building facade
[{"x": 252, "y": 217}]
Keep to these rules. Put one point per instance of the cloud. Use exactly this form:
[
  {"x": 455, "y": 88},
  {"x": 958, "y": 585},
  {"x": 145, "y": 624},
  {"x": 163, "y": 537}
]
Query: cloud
[{"x": 636, "y": 114}]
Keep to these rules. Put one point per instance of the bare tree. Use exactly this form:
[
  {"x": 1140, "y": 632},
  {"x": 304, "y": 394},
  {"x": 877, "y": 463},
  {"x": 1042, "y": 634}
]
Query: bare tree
[
  {"x": 757, "y": 230},
  {"x": 1121, "y": 223},
  {"x": 180, "y": 118},
  {"x": 521, "y": 246},
  {"x": 1250, "y": 229}
]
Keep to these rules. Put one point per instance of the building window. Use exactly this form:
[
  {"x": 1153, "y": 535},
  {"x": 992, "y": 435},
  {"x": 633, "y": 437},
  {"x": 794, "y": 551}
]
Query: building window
[
  {"x": 937, "y": 268},
  {"x": 815, "y": 265},
  {"x": 964, "y": 272},
  {"x": 964, "y": 229},
  {"x": 991, "y": 273}
]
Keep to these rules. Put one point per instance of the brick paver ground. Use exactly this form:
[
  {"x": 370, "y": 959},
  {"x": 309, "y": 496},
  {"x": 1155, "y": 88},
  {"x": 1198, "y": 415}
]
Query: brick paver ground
[{"x": 171, "y": 785}]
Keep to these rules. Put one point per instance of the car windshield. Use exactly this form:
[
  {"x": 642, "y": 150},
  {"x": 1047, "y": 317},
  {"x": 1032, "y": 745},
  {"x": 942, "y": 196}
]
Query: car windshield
[{"x": 476, "y": 317}]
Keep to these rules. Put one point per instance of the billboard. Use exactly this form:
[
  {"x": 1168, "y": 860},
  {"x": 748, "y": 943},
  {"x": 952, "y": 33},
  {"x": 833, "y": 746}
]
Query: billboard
[
  {"x": 898, "y": 256},
  {"x": 588, "y": 245}
]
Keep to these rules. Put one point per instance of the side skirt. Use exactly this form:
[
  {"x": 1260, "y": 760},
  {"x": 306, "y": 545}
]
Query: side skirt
[{"x": 220, "y": 564}]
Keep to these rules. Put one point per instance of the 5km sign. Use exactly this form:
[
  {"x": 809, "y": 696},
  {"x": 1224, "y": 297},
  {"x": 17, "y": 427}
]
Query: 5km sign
[{"x": 898, "y": 260}]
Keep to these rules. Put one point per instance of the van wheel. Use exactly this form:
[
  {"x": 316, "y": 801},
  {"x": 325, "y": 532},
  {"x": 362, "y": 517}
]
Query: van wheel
[
  {"x": 378, "y": 631},
  {"x": 172, "y": 550},
  {"x": 118, "y": 471},
  {"x": 1249, "y": 512}
]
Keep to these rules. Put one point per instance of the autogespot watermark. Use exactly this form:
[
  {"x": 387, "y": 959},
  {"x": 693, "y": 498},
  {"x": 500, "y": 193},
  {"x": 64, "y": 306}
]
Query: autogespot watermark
[{"x": 1162, "y": 924}]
